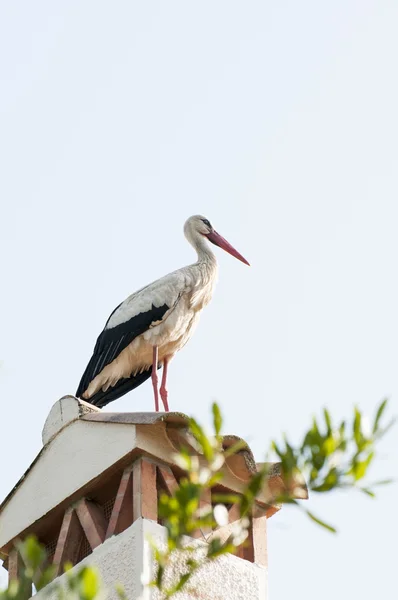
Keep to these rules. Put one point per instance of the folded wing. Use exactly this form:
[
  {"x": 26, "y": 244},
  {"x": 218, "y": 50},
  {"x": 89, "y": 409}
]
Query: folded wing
[{"x": 144, "y": 309}]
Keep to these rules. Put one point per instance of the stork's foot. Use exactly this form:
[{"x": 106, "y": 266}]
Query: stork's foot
[
  {"x": 164, "y": 394},
  {"x": 163, "y": 390}
]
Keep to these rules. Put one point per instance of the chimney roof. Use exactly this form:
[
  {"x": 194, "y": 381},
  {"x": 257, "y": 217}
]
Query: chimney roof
[{"x": 81, "y": 442}]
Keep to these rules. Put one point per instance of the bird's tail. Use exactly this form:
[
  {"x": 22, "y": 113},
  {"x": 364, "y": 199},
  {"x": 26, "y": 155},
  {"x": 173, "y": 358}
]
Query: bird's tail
[{"x": 123, "y": 386}]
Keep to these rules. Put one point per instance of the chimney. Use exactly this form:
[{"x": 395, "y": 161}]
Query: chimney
[{"x": 91, "y": 497}]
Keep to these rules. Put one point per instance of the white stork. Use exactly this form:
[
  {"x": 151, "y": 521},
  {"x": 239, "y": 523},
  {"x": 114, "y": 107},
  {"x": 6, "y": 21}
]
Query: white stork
[{"x": 146, "y": 330}]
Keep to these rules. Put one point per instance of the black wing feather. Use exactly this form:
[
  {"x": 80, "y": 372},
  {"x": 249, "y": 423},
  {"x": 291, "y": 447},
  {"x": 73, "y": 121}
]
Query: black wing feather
[
  {"x": 112, "y": 341},
  {"x": 123, "y": 386}
]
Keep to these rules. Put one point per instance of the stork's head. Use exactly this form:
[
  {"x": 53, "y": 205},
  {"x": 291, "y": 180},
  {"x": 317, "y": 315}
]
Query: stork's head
[{"x": 197, "y": 227}]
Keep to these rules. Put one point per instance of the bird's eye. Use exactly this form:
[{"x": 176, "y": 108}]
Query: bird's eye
[{"x": 207, "y": 223}]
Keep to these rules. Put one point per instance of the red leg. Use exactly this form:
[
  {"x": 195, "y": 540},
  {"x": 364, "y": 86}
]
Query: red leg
[
  {"x": 163, "y": 390},
  {"x": 155, "y": 377}
]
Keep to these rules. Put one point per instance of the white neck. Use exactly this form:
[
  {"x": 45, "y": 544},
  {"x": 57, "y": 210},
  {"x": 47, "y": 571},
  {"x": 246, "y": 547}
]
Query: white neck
[{"x": 202, "y": 247}]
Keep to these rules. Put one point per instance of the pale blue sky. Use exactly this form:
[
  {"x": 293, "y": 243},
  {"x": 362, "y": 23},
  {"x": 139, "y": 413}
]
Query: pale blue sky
[{"x": 278, "y": 121}]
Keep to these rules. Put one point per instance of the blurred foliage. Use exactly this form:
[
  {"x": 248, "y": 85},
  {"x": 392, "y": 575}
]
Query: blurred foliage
[
  {"x": 80, "y": 584},
  {"x": 330, "y": 457},
  {"x": 333, "y": 456}
]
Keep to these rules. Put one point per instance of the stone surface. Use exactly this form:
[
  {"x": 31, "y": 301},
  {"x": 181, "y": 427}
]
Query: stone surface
[
  {"x": 118, "y": 560},
  {"x": 127, "y": 559},
  {"x": 64, "y": 411}
]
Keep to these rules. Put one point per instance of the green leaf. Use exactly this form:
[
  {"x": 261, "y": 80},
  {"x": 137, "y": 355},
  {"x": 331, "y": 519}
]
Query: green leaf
[
  {"x": 32, "y": 552},
  {"x": 225, "y": 498},
  {"x": 199, "y": 434},
  {"x": 183, "y": 580},
  {"x": 217, "y": 548},
  {"x": 276, "y": 449},
  {"x": 89, "y": 584},
  {"x": 356, "y": 428},
  {"x": 214, "y": 479},
  {"x": 359, "y": 470},
  {"x": 321, "y": 523},
  {"x": 328, "y": 421},
  {"x": 383, "y": 482},
  {"x": 252, "y": 490},
  {"x": 289, "y": 460},
  {"x": 256, "y": 483},
  {"x": 159, "y": 576},
  {"x": 46, "y": 577},
  {"x": 382, "y": 432},
  {"x": 369, "y": 458},
  {"x": 331, "y": 481},
  {"x": 368, "y": 492},
  {"x": 315, "y": 428},
  {"x": 227, "y": 548},
  {"x": 120, "y": 591},
  {"x": 214, "y": 546},
  {"x": 329, "y": 445},
  {"x": 217, "y": 418},
  {"x": 379, "y": 414},
  {"x": 235, "y": 448}
]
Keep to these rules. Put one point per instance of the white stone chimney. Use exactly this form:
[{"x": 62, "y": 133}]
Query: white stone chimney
[{"x": 91, "y": 497}]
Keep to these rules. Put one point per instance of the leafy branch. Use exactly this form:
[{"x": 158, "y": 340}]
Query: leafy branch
[{"x": 330, "y": 457}]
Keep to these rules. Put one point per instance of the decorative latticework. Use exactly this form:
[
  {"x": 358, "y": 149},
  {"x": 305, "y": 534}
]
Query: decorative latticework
[
  {"x": 84, "y": 549},
  {"x": 107, "y": 508},
  {"x": 50, "y": 549},
  {"x": 93, "y": 519}
]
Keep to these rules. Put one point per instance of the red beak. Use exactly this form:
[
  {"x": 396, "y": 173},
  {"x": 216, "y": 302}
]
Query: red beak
[{"x": 218, "y": 240}]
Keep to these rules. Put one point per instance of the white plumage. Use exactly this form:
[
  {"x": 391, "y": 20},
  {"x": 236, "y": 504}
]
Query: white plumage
[{"x": 151, "y": 325}]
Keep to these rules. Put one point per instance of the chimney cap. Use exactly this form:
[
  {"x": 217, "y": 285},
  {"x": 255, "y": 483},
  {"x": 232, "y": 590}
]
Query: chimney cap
[{"x": 81, "y": 442}]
